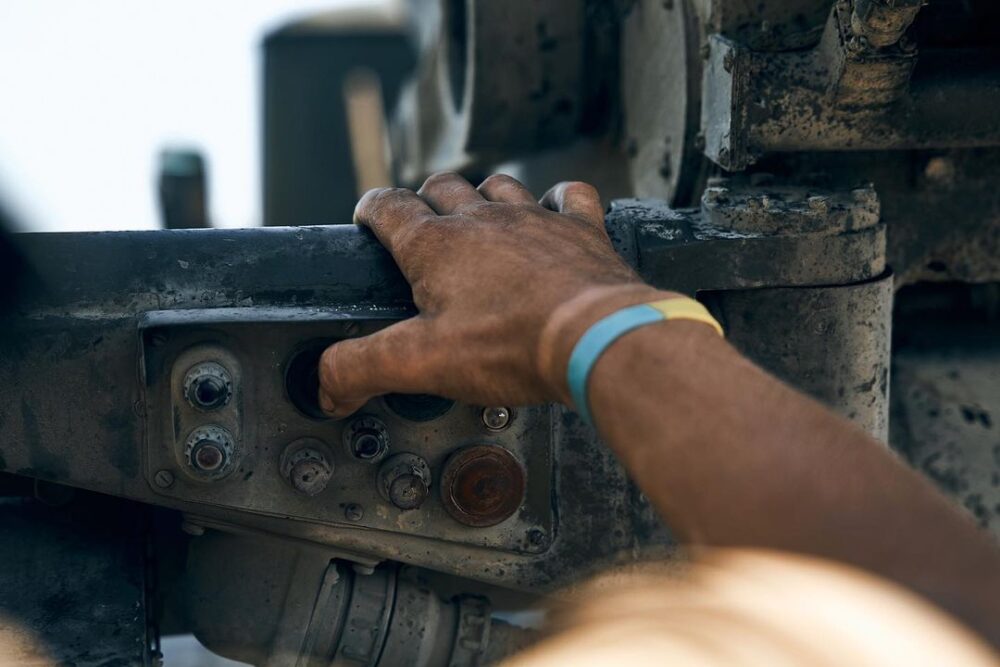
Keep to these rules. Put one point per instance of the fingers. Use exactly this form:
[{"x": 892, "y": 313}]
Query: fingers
[
  {"x": 447, "y": 193},
  {"x": 577, "y": 199},
  {"x": 398, "y": 358},
  {"x": 389, "y": 212},
  {"x": 503, "y": 188}
]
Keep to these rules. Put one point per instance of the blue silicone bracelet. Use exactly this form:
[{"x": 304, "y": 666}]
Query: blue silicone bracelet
[{"x": 597, "y": 339}]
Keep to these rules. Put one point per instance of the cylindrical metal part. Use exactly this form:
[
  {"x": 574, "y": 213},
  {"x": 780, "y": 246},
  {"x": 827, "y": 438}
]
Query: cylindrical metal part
[
  {"x": 307, "y": 465},
  {"x": 482, "y": 485},
  {"x": 330, "y": 613},
  {"x": 208, "y": 386},
  {"x": 210, "y": 453},
  {"x": 366, "y": 439},
  {"x": 404, "y": 480},
  {"x": 830, "y": 342},
  {"x": 183, "y": 189}
]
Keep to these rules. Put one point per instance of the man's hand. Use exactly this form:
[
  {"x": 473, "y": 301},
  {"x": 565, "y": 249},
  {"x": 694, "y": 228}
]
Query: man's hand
[
  {"x": 727, "y": 454},
  {"x": 488, "y": 267}
]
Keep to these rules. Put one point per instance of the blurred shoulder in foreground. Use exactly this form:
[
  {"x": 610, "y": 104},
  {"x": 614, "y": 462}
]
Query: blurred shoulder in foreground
[{"x": 751, "y": 607}]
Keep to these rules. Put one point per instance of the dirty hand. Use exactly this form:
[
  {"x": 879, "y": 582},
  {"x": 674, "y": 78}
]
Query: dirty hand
[{"x": 499, "y": 280}]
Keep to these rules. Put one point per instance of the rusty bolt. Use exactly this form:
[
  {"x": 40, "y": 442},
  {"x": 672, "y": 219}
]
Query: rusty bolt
[
  {"x": 496, "y": 418},
  {"x": 306, "y": 464},
  {"x": 354, "y": 512},
  {"x": 164, "y": 479},
  {"x": 404, "y": 480}
]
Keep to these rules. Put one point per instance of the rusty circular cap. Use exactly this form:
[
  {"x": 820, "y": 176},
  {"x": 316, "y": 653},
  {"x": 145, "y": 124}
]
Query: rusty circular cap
[{"x": 482, "y": 485}]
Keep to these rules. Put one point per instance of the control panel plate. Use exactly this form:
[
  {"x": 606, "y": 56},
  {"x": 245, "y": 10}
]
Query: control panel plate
[{"x": 257, "y": 347}]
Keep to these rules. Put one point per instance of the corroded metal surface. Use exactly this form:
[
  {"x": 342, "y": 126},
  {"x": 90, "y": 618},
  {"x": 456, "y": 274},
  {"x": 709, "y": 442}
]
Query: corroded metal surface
[
  {"x": 946, "y": 392},
  {"x": 280, "y": 286}
]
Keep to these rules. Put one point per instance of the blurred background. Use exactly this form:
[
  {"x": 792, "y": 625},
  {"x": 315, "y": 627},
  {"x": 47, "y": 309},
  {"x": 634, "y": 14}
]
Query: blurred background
[{"x": 91, "y": 92}]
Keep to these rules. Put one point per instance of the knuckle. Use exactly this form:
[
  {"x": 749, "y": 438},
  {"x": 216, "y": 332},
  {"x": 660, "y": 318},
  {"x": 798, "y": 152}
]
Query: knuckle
[
  {"x": 385, "y": 196},
  {"x": 579, "y": 188},
  {"x": 378, "y": 202},
  {"x": 441, "y": 177},
  {"x": 497, "y": 181}
]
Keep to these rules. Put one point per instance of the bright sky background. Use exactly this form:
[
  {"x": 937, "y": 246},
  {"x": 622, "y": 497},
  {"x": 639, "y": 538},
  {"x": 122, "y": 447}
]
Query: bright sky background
[{"x": 90, "y": 91}]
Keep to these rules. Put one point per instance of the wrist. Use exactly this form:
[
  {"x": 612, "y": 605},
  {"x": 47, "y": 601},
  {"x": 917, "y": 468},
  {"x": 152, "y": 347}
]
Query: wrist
[{"x": 571, "y": 319}]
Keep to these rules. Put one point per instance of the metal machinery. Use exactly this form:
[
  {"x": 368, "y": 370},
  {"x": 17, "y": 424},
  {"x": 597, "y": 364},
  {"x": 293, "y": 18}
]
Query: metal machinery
[{"x": 822, "y": 176}]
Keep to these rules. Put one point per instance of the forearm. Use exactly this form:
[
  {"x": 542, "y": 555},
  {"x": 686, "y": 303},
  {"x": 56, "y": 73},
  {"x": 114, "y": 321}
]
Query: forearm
[{"x": 731, "y": 456}]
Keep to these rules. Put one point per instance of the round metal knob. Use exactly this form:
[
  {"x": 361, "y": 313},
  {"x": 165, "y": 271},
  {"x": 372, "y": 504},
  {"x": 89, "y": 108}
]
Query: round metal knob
[
  {"x": 208, "y": 386},
  {"x": 404, "y": 480},
  {"x": 307, "y": 466},
  {"x": 496, "y": 418},
  {"x": 210, "y": 452},
  {"x": 366, "y": 439},
  {"x": 482, "y": 485}
]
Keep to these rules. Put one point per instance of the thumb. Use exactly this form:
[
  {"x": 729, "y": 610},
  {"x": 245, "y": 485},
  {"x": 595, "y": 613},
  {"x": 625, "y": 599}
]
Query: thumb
[{"x": 396, "y": 359}]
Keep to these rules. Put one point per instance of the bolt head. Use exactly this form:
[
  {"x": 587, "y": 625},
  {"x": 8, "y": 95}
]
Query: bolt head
[
  {"x": 496, "y": 418},
  {"x": 354, "y": 512},
  {"x": 164, "y": 479}
]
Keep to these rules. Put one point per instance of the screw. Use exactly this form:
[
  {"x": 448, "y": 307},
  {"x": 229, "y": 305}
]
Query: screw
[
  {"x": 164, "y": 479},
  {"x": 536, "y": 537},
  {"x": 496, "y": 418},
  {"x": 354, "y": 512}
]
